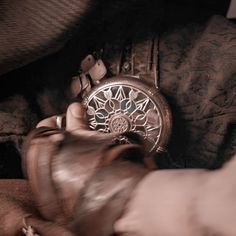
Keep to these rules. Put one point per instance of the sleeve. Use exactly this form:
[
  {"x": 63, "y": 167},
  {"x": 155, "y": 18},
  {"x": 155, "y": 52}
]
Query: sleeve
[{"x": 33, "y": 29}]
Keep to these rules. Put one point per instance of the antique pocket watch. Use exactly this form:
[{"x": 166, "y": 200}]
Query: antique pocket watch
[{"x": 121, "y": 94}]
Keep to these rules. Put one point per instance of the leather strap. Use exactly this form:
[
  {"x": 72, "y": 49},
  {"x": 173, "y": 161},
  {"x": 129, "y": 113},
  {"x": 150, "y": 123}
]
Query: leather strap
[{"x": 137, "y": 59}]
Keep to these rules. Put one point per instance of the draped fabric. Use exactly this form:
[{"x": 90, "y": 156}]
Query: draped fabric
[
  {"x": 32, "y": 29},
  {"x": 198, "y": 75}
]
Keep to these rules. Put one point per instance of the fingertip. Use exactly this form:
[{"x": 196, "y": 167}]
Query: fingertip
[
  {"x": 48, "y": 122},
  {"x": 77, "y": 110},
  {"x": 75, "y": 117}
]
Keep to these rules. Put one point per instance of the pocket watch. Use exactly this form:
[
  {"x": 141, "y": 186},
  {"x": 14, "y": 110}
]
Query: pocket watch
[{"x": 120, "y": 91}]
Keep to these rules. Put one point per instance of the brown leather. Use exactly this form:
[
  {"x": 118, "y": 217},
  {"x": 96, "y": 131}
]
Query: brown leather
[{"x": 63, "y": 171}]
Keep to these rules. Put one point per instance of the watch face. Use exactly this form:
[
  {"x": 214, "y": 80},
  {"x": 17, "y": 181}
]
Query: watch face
[{"x": 125, "y": 104}]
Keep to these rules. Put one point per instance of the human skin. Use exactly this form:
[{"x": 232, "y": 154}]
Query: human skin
[
  {"x": 183, "y": 202},
  {"x": 174, "y": 202}
]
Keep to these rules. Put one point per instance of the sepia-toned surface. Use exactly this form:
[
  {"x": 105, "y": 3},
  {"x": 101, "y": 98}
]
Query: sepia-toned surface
[{"x": 197, "y": 76}]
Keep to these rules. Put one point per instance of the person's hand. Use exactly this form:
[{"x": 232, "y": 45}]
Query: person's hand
[
  {"x": 184, "y": 202},
  {"x": 75, "y": 119},
  {"x": 74, "y": 153},
  {"x": 17, "y": 201},
  {"x": 65, "y": 164}
]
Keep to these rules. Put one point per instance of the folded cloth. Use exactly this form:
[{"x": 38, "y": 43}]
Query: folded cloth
[
  {"x": 18, "y": 210},
  {"x": 197, "y": 75},
  {"x": 32, "y": 29}
]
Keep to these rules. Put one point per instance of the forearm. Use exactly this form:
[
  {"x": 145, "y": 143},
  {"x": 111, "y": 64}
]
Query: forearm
[{"x": 182, "y": 202}]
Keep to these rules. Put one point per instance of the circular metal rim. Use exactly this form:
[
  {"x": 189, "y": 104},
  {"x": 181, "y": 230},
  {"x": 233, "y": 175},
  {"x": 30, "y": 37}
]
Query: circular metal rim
[{"x": 154, "y": 95}]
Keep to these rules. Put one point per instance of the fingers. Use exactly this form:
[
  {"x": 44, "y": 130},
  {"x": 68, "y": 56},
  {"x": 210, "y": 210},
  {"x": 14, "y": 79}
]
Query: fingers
[
  {"x": 49, "y": 122},
  {"x": 75, "y": 117}
]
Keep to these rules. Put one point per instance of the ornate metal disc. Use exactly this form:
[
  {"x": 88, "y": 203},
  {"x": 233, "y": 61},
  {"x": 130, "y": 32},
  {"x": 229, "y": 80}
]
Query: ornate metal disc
[{"x": 125, "y": 104}]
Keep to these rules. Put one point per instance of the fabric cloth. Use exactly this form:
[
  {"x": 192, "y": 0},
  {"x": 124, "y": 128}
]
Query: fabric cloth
[
  {"x": 197, "y": 74},
  {"x": 18, "y": 210},
  {"x": 29, "y": 30},
  {"x": 32, "y": 29}
]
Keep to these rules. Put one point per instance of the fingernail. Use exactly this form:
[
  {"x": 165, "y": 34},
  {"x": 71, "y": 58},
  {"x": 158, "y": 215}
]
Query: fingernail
[{"x": 76, "y": 110}]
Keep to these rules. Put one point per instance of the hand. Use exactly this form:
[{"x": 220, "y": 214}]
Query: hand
[
  {"x": 74, "y": 154},
  {"x": 75, "y": 119},
  {"x": 63, "y": 164}
]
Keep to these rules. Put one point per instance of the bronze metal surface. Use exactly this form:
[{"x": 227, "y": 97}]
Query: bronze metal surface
[{"x": 121, "y": 104}]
